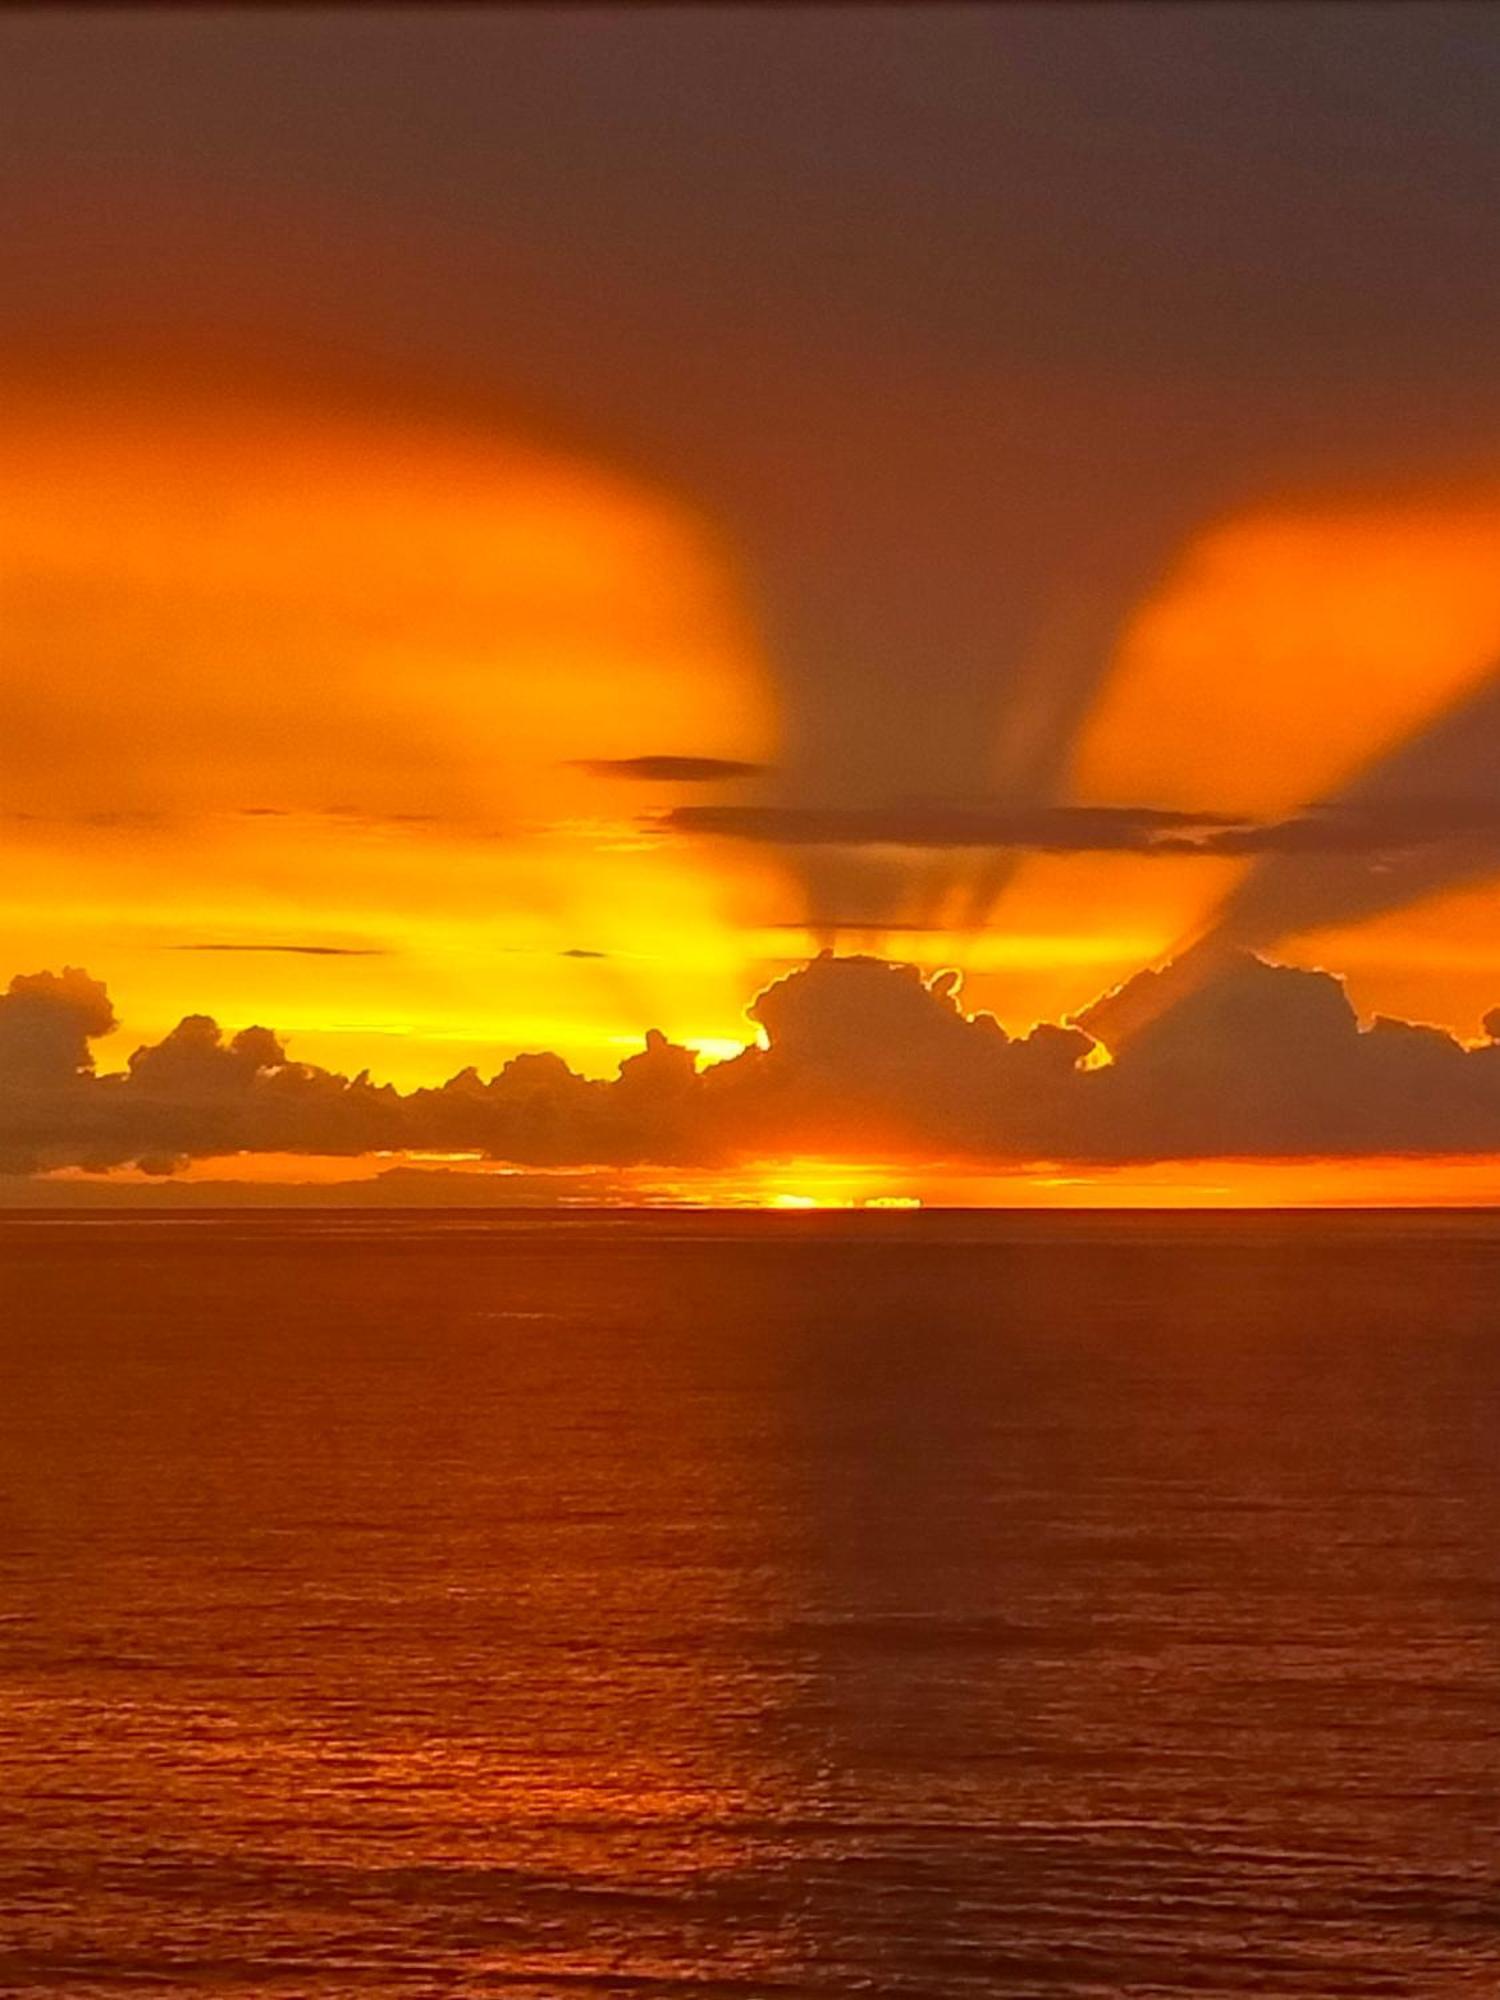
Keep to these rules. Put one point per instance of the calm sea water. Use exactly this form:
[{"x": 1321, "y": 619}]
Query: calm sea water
[{"x": 941, "y": 1606}]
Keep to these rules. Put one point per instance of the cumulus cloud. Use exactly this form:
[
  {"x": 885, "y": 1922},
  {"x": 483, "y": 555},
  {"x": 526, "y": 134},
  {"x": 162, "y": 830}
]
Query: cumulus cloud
[
  {"x": 47, "y": 1020},
  {"x": 1271, "y": 1060},
  {"x": 860, "y": 1058}
]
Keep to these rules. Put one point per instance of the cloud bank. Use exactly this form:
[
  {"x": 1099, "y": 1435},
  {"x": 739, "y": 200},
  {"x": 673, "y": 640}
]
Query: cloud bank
[{"x": 861, "y": 1058}]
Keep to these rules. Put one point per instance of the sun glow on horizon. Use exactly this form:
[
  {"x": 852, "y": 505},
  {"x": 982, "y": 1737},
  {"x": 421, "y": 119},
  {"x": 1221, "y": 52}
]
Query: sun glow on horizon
[{"x": 803, "y": 1186}]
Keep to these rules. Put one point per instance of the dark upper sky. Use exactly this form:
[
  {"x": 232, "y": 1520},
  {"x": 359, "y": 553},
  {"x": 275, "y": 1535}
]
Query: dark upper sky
[{"x": 959, "y": 320}]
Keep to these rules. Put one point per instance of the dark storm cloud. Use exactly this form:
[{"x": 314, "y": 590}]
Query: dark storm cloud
[
  {"x": 862, "y": 1059},
  {"x": 670, "y": 770}
]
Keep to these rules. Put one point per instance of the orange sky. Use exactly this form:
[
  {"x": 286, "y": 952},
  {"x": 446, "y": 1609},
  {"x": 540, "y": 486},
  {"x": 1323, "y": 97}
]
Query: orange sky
[
  {"x": 298, "y": 681},
  {"x": 1285, "y": 649},
  {"x": 305, "y": 700},
  {"x": 906, "y": 406},
  {"x": 293, "y": 682}
]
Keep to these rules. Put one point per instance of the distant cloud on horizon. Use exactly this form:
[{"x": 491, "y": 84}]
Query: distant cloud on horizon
[{"x": 862, "y": 1058}]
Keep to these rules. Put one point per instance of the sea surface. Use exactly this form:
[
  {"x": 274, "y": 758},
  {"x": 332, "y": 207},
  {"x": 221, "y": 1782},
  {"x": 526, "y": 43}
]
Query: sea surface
[{"x": 940, "y": 1605}]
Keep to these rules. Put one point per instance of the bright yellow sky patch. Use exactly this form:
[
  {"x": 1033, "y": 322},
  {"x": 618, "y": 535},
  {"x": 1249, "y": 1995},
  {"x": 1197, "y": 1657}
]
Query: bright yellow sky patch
[{"x": 282, "y": 679}]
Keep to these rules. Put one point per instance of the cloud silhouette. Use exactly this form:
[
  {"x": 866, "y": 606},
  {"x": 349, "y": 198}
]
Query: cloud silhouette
[
  {"x": 1449, "y": 833},
  {"x": 47, "y": 1020},
  {"x": 1053, "y": 829},
  {"x": 670, "y": 770},
  {"x": 1261, "y": 1059},
  {"x": 861, "y": 1058},
  {"x": 295, "y": 950}
]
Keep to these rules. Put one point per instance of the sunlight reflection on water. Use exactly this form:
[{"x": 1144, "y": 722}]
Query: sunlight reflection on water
[{"x": 903, "y": 1604}]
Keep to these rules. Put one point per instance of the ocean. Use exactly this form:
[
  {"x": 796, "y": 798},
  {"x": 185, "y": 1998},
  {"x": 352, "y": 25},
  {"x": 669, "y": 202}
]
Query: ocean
[{"x": 750, "y": 1605}]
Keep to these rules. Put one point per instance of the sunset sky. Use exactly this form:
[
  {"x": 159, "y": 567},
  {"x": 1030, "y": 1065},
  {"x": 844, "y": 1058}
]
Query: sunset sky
[{"x": 522, "y": 528}]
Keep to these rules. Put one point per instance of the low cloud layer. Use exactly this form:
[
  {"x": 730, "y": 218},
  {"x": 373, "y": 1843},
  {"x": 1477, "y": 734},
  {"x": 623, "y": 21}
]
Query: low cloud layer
[{"x": 862, "y": 1058}]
